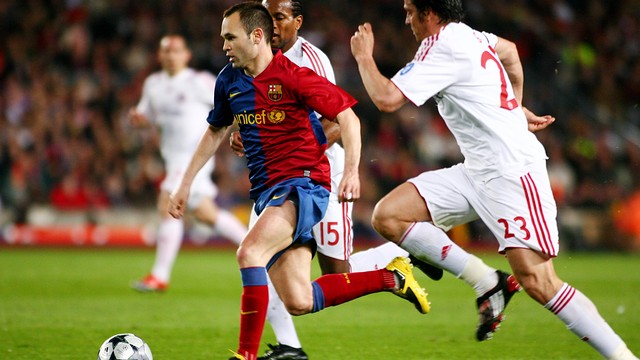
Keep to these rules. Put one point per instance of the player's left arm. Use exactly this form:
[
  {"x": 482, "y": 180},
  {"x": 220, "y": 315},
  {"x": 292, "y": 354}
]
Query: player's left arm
[
  {"x": 536, "y": 122},
  {"x": 508, "y": 55},
  {"x": 349, "y": 188}
]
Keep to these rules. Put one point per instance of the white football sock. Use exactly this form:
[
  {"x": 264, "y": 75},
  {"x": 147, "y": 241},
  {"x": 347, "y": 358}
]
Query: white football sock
[
  {"x": 429, "y": 243},
  {"x": 582, "y": 318},
  {"x": 169, "y": 238},
  {"x": 229, "y": 227},
  {"x": 375, "y": 258},
  {"x": 479, "y": 276},
  {"x": 623, "y": 353},
  {"x": 280, "y": 320}
]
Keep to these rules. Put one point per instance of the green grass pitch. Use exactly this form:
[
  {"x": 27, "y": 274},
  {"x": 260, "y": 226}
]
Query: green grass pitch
[{"x": 63, "y": 303}]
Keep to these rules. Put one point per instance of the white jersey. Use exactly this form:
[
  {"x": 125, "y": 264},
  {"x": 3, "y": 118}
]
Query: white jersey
[
  {"x": 460, "y": 68},
  {"x": 179, "y": 105},
  {"x": 305, "y": 54}
]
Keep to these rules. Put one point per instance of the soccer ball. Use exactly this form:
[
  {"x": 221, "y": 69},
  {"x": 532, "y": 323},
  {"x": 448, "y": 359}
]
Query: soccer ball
[{"x": 124, "y": 347}]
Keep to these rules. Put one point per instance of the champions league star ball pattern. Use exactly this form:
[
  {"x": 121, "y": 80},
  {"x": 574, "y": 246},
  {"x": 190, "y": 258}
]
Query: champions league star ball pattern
[{"x": 124, "y": 347}]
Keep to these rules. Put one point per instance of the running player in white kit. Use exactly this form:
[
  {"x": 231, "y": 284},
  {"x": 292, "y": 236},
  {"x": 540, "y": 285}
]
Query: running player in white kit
[
  {"x": 503, "y": 180},
  {"x": 176, "y": 100}
]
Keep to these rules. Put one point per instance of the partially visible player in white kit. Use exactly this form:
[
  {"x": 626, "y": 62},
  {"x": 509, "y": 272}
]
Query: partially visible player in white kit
[
  {"x": 176, "y": 100},
  {"x": 503, "y": 180},
  {"x": 334, "y": 234}
]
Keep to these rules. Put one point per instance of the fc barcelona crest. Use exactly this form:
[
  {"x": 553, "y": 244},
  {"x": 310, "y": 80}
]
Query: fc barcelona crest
[{"x": 275, "y": 92}]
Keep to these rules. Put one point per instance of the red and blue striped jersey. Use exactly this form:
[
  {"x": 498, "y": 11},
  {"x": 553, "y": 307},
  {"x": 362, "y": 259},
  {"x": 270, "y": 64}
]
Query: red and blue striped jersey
[{"x": 282, "y": 136}]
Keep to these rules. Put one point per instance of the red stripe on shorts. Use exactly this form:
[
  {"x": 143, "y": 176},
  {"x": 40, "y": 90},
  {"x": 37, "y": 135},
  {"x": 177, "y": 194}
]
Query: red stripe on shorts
[{"x": 536, "y": 214}]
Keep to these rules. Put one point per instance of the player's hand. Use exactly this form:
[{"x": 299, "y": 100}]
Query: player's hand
[
  {"x": 178, "y": 202},
  {"x": 362, "y": 42},
  {"x": 349, "y": 188},
  {"x": 535, "y": 122},
  {"x": 235, "y": 141},
  {"x": 137, "y": 118}
]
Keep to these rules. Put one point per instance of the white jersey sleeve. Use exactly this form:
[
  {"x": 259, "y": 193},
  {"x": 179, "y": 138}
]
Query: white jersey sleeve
[
  {"x": 432, "y": 69},
  {"x": 305, "y": 54},
  {"x": 461, "y": 70}
]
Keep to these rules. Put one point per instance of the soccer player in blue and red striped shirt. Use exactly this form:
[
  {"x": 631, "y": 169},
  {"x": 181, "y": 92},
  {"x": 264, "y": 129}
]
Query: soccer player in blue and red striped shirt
[{"x": 273, "y": 102}]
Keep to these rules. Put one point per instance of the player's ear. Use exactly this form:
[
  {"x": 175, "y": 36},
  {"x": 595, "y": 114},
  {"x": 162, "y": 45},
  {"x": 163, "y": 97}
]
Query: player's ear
[
  {"x": 257, "y": 34},
  {"x": 298, "y": 20}
]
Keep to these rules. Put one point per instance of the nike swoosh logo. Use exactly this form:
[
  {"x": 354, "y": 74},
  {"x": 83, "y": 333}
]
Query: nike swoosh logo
[
  {"x": 233, "y": 94},
  {"x": 276, "y": 197},
  {"x": 248, "y": 312}
]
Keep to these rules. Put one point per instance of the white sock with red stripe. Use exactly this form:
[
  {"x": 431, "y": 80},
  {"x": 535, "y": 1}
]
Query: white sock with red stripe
[
  {"x": 375, "y": 258},
  {"x": 582, "y": 318},
  {"x": 429, "y": 243},
  {"x": 169, "y": 239}
]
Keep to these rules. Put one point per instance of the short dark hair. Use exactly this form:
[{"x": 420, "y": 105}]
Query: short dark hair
[
  {"x": 447, "y": 10},
  {"x": 296, "y": 7},
  {"x": 252, "y": 16}
]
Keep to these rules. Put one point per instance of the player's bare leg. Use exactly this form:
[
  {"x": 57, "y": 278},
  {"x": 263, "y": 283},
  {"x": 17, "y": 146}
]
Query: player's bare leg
[
  {"x": 291, "y": 278},
  {"x": 290, "y": 274},
  {"x": 271, "y": 233},
  {"x": 403, "y": 218},
  {"x": 537, "y": 276}
]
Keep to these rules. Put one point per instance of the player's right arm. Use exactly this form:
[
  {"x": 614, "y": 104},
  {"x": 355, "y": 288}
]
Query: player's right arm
[
  {"x": 208, "y": 145},
  {"x": 382, "y": 91}
]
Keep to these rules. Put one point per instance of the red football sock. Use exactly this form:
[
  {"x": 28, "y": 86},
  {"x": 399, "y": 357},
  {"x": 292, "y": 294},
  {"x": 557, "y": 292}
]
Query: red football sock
[
  {"x": 340, "y": 288},
  {"x": 253, "y": 311}
]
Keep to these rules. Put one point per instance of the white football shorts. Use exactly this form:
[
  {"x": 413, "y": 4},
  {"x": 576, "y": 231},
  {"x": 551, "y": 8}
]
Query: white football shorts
[
  {"x": 334, "y": 233},
  {"x": 518, "y": 207},
  {"x": 201, "y": 188}
]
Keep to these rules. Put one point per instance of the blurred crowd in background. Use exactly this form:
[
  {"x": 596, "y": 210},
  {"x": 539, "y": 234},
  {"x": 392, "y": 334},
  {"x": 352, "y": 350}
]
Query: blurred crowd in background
[{"x": 70, "y": 71}]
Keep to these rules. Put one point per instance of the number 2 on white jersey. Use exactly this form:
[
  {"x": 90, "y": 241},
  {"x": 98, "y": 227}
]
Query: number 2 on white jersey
[{"x": 505, "y": 103}]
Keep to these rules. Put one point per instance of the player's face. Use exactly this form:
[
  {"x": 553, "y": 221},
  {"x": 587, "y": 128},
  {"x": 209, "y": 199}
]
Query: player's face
[
  {"x": 418, "y": 25},
  {"x": 173, "y": 54},
  {"x": 285, "y": 25},
  {"x": 238, "y": 45}
]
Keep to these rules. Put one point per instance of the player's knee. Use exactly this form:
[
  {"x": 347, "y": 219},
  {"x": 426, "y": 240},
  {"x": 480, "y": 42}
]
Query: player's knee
[
  {"x": 384, "y": 222},
  {"x": 247, "y": 256},
  {"x": 298, "y": 306}
]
